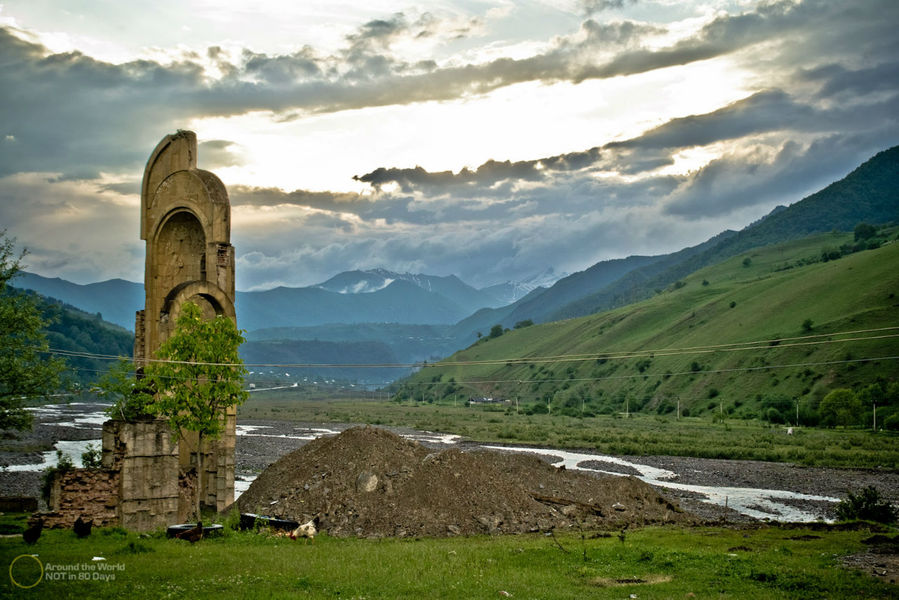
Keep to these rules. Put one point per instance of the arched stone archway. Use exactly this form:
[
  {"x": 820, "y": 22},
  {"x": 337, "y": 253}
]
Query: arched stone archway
[{"x": 186, "y": 223}]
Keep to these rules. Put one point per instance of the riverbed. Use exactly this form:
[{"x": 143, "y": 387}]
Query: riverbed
[{"x": 711, "y": 488}]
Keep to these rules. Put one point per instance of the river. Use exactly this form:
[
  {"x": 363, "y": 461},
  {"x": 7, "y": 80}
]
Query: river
[{"x": 746, "y": 489}]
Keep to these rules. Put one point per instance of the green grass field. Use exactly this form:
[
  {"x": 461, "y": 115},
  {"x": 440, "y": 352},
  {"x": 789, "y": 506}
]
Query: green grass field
[{"x": 650, "y": 563}]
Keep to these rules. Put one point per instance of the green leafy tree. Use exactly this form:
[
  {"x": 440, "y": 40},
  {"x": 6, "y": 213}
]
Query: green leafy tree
[
  {"x": 198, "y": 377},
  {"x": 496, "y": 331},
  {"x": 130, "y": 396},
  {"x": 26, "y": 369},
  {"x": 864, "y": 231},
  {"x": 841, "y": 407}
]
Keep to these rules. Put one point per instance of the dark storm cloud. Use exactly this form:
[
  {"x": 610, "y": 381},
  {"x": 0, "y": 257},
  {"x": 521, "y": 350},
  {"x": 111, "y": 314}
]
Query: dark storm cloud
[
  {"x": 595, "y": 6},
  {"x": 837, "y": 79},
  {"x": 761, "y": 112},
  {"x": 486, "y": 175},
  {"x": 739, "y": 181},
  {"x": 69, "y": 112},
  {"x": 215, "y": 154}
]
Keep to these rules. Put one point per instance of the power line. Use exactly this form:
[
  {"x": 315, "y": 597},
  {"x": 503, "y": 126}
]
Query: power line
[
  {"x": 810, "y": 340},
  {"x": 668, "y": 374}
]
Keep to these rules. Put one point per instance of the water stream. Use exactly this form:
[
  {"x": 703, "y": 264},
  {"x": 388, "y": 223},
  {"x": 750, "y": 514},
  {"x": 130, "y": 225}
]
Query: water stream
[{"x": 773, "y": 504}]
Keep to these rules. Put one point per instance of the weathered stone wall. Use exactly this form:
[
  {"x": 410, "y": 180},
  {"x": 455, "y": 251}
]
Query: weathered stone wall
[
  {"x": 147, "y": 462},
  {"x": 86, "y": 493}
]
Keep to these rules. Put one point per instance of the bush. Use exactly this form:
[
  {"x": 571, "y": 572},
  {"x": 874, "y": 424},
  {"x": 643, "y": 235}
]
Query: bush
[
  {"x": 92, "y": 457},
  {"x": 867, "y": 505},
  {"x": 891, "y": 423},
  {"x": 841, "y": 407},
  {"x": 772, "y": 415},
  {"x": 63, "y": 465}
]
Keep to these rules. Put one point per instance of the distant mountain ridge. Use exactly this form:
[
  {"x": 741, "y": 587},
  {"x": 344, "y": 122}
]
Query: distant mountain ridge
[
  {"x": 457, "y": 311},
  {"x": 451, "y": 287},
  {"x": 116, "y": 300}
]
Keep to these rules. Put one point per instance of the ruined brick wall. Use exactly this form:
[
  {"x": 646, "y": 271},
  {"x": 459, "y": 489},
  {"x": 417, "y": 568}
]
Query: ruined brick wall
[{"x": 86, "y": 493}]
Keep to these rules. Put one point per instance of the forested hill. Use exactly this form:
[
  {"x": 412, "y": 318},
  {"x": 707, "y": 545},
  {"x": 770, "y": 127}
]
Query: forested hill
[
  {"x": 72, "y": 330},
  {"x": 870, "y": 193}
]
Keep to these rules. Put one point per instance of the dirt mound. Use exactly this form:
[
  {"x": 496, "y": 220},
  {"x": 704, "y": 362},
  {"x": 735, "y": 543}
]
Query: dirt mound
[{"x": 371, "y": 482}]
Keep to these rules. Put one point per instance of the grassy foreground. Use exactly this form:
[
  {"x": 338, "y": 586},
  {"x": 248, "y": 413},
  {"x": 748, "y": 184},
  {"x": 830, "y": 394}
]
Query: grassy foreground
[
  {"x": 650, "y": 562},
  {"x": 635, "y": 436}
]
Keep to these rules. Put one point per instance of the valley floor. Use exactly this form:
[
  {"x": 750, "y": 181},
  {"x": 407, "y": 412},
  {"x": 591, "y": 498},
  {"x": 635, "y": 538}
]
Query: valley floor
[{"x": 263, "y": 441}]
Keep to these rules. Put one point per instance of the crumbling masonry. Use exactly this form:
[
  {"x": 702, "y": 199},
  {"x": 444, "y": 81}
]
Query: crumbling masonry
[{"x": 186, "y": 223}]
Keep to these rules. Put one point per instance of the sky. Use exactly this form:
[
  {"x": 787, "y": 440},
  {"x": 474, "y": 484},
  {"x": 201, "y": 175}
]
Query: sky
[{"x": 487, "y": 139}]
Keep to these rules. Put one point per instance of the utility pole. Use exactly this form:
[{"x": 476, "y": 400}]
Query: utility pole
[
  {"x": 875, "y": 415},
  {"x": 678, "y": 408}
]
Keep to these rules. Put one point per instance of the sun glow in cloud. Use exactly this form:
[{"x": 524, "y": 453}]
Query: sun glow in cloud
[
  {"x": 519, "y": 122},
  {"x": 491, "y": 140}
]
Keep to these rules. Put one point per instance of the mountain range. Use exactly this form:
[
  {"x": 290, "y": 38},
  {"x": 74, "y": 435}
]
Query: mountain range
[{"x": 380, "y": 306}]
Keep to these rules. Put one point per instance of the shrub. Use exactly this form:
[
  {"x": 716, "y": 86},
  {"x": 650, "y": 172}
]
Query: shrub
[
  {"x": 63, "y": 464},
  {"x": 841, "y": 407},
  {"x": 92, "y": 457},
  {"x": 772, "y": 415},
  {"x": 891, "y": 423},
  {"x": 867, "y": 505},
  {"x": 864, "y": 231}
]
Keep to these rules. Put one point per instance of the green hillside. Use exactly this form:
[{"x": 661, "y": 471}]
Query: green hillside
[
  {"x": 867, "y": 194},
  {"x": 74, "y": 331},
  {"x": 756, "y": 332}
]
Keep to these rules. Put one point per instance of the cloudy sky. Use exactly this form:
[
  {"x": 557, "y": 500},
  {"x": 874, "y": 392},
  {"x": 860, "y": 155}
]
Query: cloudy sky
[{"x": 489, "y": 139}]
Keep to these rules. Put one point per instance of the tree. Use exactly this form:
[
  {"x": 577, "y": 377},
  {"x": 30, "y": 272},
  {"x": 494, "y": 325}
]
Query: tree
[
  {"x": 26, "y": 369},
  {"x": 864, "y": 231},
  {"x": 496, "y": 331},
  {"x": 841, "y": 407},
  {"x": 130, "y": 396},
  {"x": 198, "y": 376}
]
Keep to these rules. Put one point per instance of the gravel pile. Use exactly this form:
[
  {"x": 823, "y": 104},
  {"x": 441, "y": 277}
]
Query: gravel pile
[{"x": 369, "y": 482}]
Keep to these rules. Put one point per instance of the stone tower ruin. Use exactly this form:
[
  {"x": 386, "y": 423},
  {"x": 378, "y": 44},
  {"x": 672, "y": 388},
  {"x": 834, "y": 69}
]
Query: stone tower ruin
[
  {"x": 148, "y": 480},
  {"x": 186, "y": 223}
]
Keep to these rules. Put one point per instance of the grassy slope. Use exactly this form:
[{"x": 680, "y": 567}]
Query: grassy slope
[{"x": 853, "y": 293}]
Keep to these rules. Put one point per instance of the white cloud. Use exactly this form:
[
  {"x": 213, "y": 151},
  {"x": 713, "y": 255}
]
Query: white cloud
[{"x": 542, "y": 140}]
